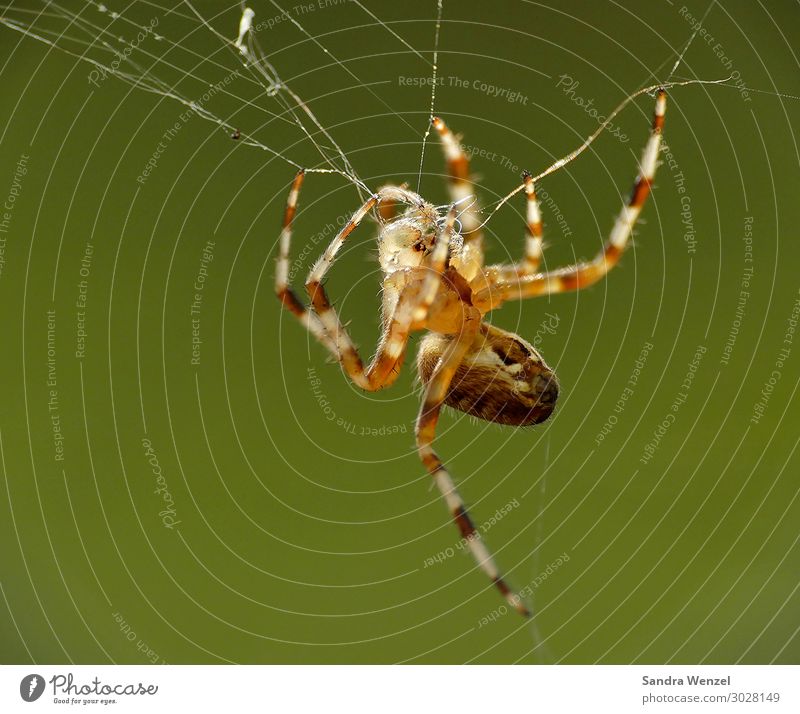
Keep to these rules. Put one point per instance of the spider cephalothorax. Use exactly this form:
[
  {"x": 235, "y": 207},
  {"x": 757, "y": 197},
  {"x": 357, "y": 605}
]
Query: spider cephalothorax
[
  {"x": 434, "y": 279},
  {"x": 407, "y": 240}
]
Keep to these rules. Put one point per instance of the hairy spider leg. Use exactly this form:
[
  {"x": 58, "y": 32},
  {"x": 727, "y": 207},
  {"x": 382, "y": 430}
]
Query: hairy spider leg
[
  {"x": 533, "y": 238},
  {"x": 323, "y": 321},
  {"x": 503, "y": 286},
  {"x": 435, "y": 393},
  {"x": 461, "y": 188}
]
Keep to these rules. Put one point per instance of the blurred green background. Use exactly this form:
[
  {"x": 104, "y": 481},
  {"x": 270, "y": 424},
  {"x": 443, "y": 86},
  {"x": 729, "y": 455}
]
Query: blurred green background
[{"x": 298, "y": 524}]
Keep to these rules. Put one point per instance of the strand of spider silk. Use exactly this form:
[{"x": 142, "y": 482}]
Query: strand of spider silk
[
  {"x": 348, "y": 171},
  {"x": 98, "y": 33},
  {"x": 585, "y": 145},
  {"x": 248, "y": 54},
  {"x": 433, "y": 90},
  {"x": 257, "y": 63},
  {"x": 153, "y": 85},
  {"x": 261, "y": 62},
  {"x": 341, "y": 64},
  {"x": 388, "y": 29},
  {"x": 770, "y": 92},
  {"x": 689, "y": 42}
]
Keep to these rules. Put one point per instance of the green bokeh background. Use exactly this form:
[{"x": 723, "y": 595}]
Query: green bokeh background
[{"x": 303, "y": 539}]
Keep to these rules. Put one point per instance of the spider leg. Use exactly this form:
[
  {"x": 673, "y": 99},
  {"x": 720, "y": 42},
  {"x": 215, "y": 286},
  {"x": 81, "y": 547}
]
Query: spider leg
[
  {"x": 503, "y": 287},
  {"x": 435, "y": 392},
  {"x": 389, "y": 208},
  {"x": 323, "y": 321},
  {"x": 461, "y": 189},
  {"x": 285, "y": 294},
  {"x": 533, "y": 242},
  {"x": 533, "y": 238}
]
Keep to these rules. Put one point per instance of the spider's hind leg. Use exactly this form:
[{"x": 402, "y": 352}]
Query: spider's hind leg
[{"x": 436, "y": 390}]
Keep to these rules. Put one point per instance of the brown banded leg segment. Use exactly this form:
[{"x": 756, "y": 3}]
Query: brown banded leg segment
[
  {"x": 510, "y": 272},
  {"x": 533, "y": 239},
  {"x": 533, "y": 242},
  {"x": 323, "y": 321},
  {"x": 411, "y": 308},
  {"x": 282, "y": 289},
  {"x": 435, "y": 392},
  {"x": 582, "y": 275},
  {"x": 337, "y": 342},
  {"x": 389, "y": 208},
  {"x": 460, "y": 187},
  {"x": 346, "y": 349},
  {"x": 392, "y": 343}
]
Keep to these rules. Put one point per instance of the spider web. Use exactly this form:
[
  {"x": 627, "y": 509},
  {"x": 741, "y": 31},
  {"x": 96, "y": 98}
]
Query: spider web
[
  {"x": 107, "y": 41},
  {"x": 84, "y": 36}
]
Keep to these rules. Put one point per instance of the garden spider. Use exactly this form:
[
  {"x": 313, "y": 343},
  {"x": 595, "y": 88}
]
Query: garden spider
[{"x": 435, "y": 280}]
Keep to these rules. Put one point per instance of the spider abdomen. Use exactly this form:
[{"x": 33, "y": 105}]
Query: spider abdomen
[{"x": 502, "y": 379}]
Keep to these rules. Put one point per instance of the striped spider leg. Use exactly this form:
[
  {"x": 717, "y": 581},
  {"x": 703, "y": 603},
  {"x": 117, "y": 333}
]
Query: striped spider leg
[
  {"x": 404, "y": 300},
  {"x": 434, "y": 280},
  {"x": 507, "y": 283},
  {"x": 420, "y": 291}
]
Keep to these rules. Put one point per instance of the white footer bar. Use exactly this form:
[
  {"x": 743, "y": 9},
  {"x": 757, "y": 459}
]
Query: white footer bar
[{"x": 400, "y": 690}]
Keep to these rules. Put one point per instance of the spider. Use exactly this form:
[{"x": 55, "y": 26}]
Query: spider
[{"x": 434, "y": 279}]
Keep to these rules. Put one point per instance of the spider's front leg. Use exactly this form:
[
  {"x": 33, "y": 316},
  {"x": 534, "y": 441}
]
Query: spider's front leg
[
  {"x": 323, "y": 321},
  {"x": 461, "y": 189},
  {"x": 505, "y": 285}
]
